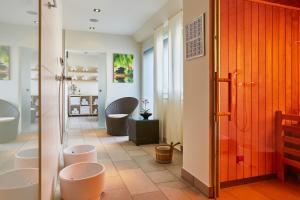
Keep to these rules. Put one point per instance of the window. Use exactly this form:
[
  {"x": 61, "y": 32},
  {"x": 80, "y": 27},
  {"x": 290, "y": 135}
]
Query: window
[
  {"x": 166, "y": 68},
  {"x": 148, "y": 77}
]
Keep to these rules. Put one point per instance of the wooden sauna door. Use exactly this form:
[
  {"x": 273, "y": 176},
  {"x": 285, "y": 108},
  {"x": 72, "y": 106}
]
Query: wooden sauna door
[{"x": 259, "y": 45}]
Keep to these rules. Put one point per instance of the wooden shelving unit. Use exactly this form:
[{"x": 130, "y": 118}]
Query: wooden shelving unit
[
  {"x": 88, "y": 74},
  {"x": 83, "y": 105}
]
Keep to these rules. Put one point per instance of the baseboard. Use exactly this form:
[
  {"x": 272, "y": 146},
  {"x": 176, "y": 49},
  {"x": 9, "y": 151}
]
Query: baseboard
[
  {"x": 203, "y": 188},
  {"x": 247, "y": 180}
]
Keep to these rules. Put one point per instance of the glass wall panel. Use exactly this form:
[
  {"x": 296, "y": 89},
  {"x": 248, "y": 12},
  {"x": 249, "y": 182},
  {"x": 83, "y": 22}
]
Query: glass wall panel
[{"x": 19, "y": 99}]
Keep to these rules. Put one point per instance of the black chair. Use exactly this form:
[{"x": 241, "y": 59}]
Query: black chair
[{"x": 117, "y": 114}]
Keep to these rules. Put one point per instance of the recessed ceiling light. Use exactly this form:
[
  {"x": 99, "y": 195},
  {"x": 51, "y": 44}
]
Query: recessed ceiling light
[
  {"x": 92, "y": 28},
  {"x": 30, "y": 12},
  {"x": 97, "y": 10},
  {"x": 94, "y": 20},
  {"x": 35, "y": 22}
]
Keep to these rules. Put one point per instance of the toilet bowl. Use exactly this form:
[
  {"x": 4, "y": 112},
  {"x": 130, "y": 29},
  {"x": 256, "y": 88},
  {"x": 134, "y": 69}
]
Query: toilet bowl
[
  {"x": 80, "y": 153},
  {"x": 19, "y": 184},
  {"x": 82, "y": 181},
  {"x": 28, "y": 158}
]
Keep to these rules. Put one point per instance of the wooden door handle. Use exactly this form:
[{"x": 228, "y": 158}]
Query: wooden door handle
[{"x": 219, "y": 80}]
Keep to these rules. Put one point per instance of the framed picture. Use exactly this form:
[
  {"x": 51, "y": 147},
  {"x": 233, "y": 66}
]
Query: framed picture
[
  {"x": 195, "y": 38},
  {"x": 4, "y": 62},
  {"x": 123, "y": 68}
]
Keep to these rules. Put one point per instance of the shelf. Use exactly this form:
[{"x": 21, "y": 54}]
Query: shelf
[
  {"x": 83, "y": 70},
  {"x": 82, "y": 110},
  {"x": 85, "y": 80}
]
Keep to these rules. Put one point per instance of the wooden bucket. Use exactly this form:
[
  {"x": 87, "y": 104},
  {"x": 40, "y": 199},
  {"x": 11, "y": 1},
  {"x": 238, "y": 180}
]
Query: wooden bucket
[{"x": 164, "y": 153}]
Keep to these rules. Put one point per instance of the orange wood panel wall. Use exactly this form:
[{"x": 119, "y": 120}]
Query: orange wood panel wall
[{"x": 260, "y": 47}]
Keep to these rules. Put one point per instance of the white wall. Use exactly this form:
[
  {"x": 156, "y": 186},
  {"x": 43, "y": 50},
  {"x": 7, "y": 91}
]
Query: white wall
[
  {"x": 15, "y": 36},
  {"x": 171, "y": 8},
  {"x": 109, "y": 44},
  {"x": 196, "y": 101}
]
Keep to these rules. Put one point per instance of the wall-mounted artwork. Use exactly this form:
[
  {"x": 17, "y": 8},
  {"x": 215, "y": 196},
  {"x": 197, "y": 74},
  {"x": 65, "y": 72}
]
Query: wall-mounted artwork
[
  {"x": 4, "y": 63},
  {"x": 194, "y": 37},
  {"x": 123, "y": 68}
]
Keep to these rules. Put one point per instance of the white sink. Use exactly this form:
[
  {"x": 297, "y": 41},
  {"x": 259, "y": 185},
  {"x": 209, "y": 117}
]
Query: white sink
[
  {"x": 28, "y": 158},
  {"x": 80, "y": 153},
  {"x": 82, "y": 181},
  {"x": 19, "y": 184}
]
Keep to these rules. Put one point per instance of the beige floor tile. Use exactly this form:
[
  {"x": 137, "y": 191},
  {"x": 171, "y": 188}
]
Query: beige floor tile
[
  {"x": 119, "y": 194},
  {"x": 113, "y": 182},
  {"x": 137, "y": 181},
  {"x": 161, "y": 176},
  {"x": 174, "y": 184},
  {"x": 129, "y": 146},
  {"x": 116, "y": 152},
  {"x": 121, "y": 139},
  {"x": 107, "y": 140},
  {"x": 150, "y": 149},
  {"x": 126, "y": 164},
  {"x": 100, "y": 132},
  {"x": 150, "y": 196},
  {"x": 174, "y": 191},
  {"x": 110, "y": 168},
  {"x": 102, "y": 155},
  {"x": 92, "y": 140},
  {"x": 135, "y": 153},
  {"x": 176, "y": 170},
  {"x": 193, "y": 194},
  {"x": 148, "y": 163}
]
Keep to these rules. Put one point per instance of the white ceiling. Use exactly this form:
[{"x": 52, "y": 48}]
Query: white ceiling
[
  {"x": 117, "y": 16},
  {"x": 123, "y": 17},
  {"x": 14, "y": 11}
]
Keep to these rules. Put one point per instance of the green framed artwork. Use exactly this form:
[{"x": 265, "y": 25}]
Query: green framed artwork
[
  {"x": 4, "y": 63},
  {"x": 123, "y": 68}
]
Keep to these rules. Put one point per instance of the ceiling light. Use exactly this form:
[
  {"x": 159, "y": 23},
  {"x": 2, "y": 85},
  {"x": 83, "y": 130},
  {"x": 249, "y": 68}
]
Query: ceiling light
[
  {"x": 97, "y": 10},
  {"x": 94, "y": 20},
  {"x": 30, "y": 12},
  {"x": 92, "y": 28}
]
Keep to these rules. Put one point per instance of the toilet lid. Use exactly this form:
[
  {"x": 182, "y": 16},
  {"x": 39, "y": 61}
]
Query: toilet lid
[{"x": 7, "y": 119}]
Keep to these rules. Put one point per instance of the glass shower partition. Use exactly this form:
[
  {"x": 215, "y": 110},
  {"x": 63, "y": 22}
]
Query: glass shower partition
[{"x": 19, "y": 100}]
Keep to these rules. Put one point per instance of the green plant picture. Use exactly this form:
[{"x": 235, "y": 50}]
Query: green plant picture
[
  {"x": 4, "y": 63},
  {"x": 123, "y": 68}
]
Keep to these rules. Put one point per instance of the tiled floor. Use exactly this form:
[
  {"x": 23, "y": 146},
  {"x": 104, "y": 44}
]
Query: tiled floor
[{"x": 132, "y": 173}]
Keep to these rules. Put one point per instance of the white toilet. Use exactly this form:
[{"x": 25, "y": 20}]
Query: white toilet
[
  {"x": 80, "y": 153},
  {"x": 19, "y": 184},
  {"x": 82, "y": 181},
  {"x": 28, "y": 158}
]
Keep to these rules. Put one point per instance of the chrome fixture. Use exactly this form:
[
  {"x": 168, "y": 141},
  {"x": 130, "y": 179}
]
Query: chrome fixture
[
  {"x": 97, "y": 10},
  {"x": 94, "y": 20},
  {"x": 52, "y": 5}
]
